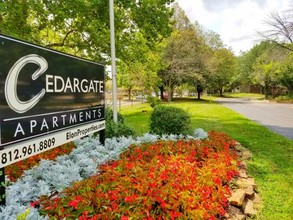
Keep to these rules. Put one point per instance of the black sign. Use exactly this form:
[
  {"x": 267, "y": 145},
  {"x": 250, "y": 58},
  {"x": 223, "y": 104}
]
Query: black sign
[{"x": 44, "y": 91}]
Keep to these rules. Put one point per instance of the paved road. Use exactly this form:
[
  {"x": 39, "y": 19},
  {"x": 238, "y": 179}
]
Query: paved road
[
  {"x": 275, "y": 116},
  {"x": 122, "y": 103}
]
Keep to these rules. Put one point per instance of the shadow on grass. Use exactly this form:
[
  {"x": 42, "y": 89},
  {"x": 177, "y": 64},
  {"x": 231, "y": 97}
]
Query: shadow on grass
[{"x": 190, "y": 99}]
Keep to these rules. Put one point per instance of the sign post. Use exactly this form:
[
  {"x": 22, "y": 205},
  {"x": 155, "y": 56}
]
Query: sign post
[
  {"x": 2, "y": 187},
  {"x": 102, "y": 137},
  {"x": 47, "y": 98},
  {"x": 113, "y": 60}
]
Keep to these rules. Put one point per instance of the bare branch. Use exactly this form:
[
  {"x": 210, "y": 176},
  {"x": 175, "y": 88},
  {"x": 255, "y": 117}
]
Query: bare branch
[
  {"x": 269, "y": 38},
  {"x": 281, "y": 29}
]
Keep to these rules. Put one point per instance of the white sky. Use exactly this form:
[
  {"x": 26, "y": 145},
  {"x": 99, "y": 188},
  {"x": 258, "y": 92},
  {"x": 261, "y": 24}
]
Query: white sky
[{"x": 237, "y": 21}]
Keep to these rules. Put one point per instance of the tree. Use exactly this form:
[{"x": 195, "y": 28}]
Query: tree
[
  {"x": 212, "y": 42},
  {"x": 223, "y": 67},
  {"x": 183, "y": 55},
  {"x": 246, "y": 62},
  {"x": 181, "y": 58},
  {"x": 265, "y": 73},
  {"x": 267, "y": 65},
  {"x": 179, "y": 18},
  {"x": 212, "y": 39},
  {"x": 285, "y": 73},
  {"x": 138, "y": 74},
  {"x": 245, "y": 70},
  {"x": 140, "y": 69},
  {"x": 81, "y": 27}
]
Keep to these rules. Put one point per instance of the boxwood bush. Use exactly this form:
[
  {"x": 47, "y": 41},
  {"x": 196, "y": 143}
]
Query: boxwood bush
[
  {"x": 116, "y": 129},
  {"x": 169, "y": 120}
]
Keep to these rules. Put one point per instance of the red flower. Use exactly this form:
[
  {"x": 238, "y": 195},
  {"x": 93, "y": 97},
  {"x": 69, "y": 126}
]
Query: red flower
[
  {"x": 130, "y": 198},
  {"x": 164, "y": 175},
  {"x": 123, "y": 217},
  {"x": 152, "y": 185},
  {"x": 114, "y": 205},
  {"x": 217, "y": 181},
  {"x": 35, "y": 204},
  {"x": 174, "y": 214},
  {"x": 84, "y": 216},
  {"x": 94, "y": 217},
  {"x": 190, "y": 159},
  {"x": 74, "y": 203},
  {"x": 152, "y": 169},
  {"x": 129, "y": 165},
  {"x": 114, "y": 164},
  {"x": 206, "y": 151},
  {"x": 112, "y": 195},
  {"x": 221, "y": 211},
  {"x": 162, "y": 202}
]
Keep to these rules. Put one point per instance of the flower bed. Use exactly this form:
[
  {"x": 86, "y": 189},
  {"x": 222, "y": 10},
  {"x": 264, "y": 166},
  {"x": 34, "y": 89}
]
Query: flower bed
[
  {"x": 51, "y": 176},
  {"x": 163, "y": 180}
]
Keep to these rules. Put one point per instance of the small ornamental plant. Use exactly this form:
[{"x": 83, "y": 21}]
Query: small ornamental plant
[{"x": 184, "y": 179}]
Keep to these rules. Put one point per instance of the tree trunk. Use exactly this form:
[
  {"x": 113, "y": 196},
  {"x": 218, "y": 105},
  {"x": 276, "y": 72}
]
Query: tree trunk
[
  {"x": 199, "y": 90},
  {"x": 266, "y": 87},
  {"x": 290, "y": 91},
  {"x": 169, "y": 94},
  {"x": 172, "y": 94},
  {"x": 162, "y": 92},
  {"x": 129, "y": 93},
  {"x": 221, "y": 91}
]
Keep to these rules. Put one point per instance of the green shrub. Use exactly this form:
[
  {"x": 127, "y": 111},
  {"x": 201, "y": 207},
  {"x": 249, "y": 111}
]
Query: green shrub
[
  {"x": 169, "y": 120},
  {"x": 286, "y": 99},
  {"x": 116, "y": 129},
  {"x": 153, "y": 101},
  {"x": 109, "y": 116}
]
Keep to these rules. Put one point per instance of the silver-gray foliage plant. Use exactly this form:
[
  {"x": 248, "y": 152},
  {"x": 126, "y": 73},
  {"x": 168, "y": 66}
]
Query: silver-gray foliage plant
[
  {"x": 54, "y": 176},
  {"x": 199, "y": 133}
]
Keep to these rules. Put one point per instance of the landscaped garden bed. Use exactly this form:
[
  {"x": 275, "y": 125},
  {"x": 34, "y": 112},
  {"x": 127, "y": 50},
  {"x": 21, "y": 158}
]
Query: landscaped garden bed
[
  {"x": 156, "y": 177},
  {"x": 162, "y": 180}
]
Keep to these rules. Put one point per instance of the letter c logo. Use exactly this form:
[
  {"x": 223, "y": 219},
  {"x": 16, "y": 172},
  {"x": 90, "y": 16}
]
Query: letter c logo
[{"x": 11, "y": 83}]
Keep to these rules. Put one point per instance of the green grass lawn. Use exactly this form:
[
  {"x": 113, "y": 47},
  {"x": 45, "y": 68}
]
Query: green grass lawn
[{"x": 272, "y": 163}]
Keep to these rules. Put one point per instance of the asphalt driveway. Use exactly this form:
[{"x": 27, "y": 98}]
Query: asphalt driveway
[{"x": 275, "y": 116}]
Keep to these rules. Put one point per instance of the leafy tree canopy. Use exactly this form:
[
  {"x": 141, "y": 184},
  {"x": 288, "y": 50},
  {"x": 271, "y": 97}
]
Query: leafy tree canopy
[{"x": 81, "y": 27}]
